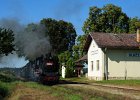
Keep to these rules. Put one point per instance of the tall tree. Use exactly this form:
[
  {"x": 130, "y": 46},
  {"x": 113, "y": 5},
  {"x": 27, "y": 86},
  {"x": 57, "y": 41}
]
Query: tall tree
[
  {"x": 6, "y": 41},
  {"x": 62, "y": 34},
  {"x": 78, "y": 47},
  {"x": 133, "y": 24},
  {"x": 110, "y": 18}
]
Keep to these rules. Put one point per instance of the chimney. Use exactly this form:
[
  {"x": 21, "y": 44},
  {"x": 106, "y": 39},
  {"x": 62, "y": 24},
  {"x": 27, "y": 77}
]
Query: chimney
[{"x": 138, "y": 35}]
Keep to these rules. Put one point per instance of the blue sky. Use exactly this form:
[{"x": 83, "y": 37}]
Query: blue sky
[{"x": 74, "y": 11}]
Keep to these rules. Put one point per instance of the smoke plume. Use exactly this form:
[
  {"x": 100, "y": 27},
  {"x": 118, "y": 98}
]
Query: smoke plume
[{"x": 31, "y": 41}]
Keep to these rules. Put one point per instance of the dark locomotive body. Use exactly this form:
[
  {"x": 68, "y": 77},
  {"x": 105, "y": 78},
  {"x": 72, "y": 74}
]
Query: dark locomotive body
[
  {"x": 44, "y": 70},
  {"x": 50, "y": 71}
]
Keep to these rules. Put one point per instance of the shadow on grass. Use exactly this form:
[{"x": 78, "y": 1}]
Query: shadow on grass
[
  {"x": 62, "y": 82},
  {"x": 70, "y": 82}
]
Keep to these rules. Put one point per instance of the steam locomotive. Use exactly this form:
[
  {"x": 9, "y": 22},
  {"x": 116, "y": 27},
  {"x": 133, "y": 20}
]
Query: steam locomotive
[
  {"x": 50, "y": 71},
  {"x": 44, "y": 70}
]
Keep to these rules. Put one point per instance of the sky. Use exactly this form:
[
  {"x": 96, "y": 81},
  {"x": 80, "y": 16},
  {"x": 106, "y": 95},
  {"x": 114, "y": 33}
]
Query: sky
[{"x": 74, "y": 11}]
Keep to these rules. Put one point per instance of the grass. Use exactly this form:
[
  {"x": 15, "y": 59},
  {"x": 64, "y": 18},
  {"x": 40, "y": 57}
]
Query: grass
[
  {"x": 5, "y": 89},
  {"x": 121, "y": 82},
  {"x": 111, "y": 82},
  {"x": 59, "y": 92},
  {"x": 64, "y": 92}
]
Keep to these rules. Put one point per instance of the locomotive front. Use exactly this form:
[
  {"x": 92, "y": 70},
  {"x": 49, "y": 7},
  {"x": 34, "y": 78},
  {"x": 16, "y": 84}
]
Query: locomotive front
[{"x": 50, "y": 71}]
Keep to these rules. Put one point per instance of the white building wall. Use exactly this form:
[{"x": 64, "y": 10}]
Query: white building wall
[
  {"x": 122, "y": 65},
  {"x": 95, "y": 53}
]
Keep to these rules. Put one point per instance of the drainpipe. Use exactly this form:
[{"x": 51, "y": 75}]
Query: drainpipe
[{"x": 105, "y": 65}]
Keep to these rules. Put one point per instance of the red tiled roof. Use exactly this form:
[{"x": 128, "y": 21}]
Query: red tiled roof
[{"x": 114, "y": 41}]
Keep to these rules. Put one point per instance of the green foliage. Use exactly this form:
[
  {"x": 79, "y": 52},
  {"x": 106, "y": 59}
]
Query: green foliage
[
  {"x": 6, "y": 41},
  {"x": 64, "y": 57},
  {"x": 5, "y": 89},
  {"x": 67, "y": 59},
  {"x": 78, "y": 47},
  {"x": 7, "y": 76},
  {"x": 134, "y": 24},
  {"x": 62, "y": 34},
  {"x": 110, "y": 18},
  {"x": 137, "y": 24},
  {"x": 70, "y": 68}
]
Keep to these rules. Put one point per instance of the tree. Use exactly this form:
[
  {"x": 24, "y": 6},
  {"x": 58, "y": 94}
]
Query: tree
[
  {"x": 66, "y": 58},
  {"x": 133, "y": 24},
  {"x": 110, "y": 18},
  {"x": 6, "y": 41},
  {"x": 62, "y": 34},
  {"x": 78, "y": 47},
  {"x": 137, "y": 24}
]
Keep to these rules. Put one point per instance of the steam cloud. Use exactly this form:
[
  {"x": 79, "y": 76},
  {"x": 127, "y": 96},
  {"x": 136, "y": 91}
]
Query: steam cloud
[{"x": 30, "y": 42}]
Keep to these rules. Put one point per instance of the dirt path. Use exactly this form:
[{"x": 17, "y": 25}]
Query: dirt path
[{"x": 26, "y": 93}]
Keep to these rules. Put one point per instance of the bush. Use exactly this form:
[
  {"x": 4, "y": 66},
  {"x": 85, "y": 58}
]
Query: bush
[
  {"x": 69, "y": 72},
  {"x": 7, "y": 77},
  {"x": 4, "y": 90}
]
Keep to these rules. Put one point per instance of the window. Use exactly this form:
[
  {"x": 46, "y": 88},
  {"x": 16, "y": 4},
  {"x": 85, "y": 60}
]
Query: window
[
  {"x": 91, "y": 65},
  {"x": 97, "y": 64}
]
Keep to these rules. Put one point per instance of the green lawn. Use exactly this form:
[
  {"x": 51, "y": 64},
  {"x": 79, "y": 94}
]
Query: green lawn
[
  {"x": 113, "y": 82},
  {"x": 121, "y": 82}
]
